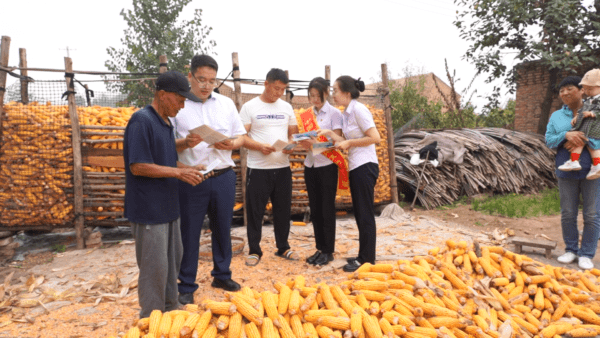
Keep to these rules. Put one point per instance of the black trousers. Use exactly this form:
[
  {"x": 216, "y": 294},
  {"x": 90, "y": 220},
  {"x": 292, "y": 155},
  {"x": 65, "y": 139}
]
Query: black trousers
[
  {"x": 362, "y": 188},
  {"x": 321, "y": 185},
  {"x": 262, "y": 184}
]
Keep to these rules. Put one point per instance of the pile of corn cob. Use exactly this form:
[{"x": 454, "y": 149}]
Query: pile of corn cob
[
  {"x": 451, "y": 293},
  {"x": 36, "y": 165}
]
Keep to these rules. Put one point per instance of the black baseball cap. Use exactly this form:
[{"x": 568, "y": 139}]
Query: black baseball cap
[{"x": 175, "y": 82}]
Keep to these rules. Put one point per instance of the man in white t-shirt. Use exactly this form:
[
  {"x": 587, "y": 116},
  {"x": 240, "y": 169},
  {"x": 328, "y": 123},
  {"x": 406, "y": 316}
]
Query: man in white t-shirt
[
  {"x": 268, "y": 119},
  {"x": 216, "y": 195}
]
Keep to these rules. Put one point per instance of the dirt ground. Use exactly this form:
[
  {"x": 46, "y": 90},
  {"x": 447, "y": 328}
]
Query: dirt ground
[{"x": 93, "y": 293}]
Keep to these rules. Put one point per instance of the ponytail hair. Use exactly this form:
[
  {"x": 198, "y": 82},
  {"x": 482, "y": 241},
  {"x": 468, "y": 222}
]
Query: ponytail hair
[
  {"x": 348, "y": 84},
  {"x": 320, "y": 84}
]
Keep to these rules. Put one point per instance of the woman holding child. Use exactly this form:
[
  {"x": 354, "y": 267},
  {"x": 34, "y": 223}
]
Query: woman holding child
[{"x": 572, "y": 184}]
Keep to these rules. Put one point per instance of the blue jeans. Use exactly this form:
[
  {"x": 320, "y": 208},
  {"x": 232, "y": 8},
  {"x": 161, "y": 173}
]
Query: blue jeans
[{"x": 570, "y": 190}]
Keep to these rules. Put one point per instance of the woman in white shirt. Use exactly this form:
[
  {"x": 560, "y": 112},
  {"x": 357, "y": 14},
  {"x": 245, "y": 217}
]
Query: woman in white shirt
[
  {"x": 359, "y": 137},
  {"x": 321, "y": 175}
]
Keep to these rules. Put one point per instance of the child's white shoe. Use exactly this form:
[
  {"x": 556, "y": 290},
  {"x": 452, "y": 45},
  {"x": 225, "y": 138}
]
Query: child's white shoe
[
  {"x": 570, "y": 166},
  {"x": 594, "y": 172}
]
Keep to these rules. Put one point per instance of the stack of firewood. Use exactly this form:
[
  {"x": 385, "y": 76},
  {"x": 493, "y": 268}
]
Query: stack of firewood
[{"x": 497, "y": 161}]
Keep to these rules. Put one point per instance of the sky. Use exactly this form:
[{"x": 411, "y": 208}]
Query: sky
[{"x": 353, "y": 37}]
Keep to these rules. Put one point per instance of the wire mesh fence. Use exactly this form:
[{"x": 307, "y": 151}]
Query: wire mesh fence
[{"x": 36, "y": 159}]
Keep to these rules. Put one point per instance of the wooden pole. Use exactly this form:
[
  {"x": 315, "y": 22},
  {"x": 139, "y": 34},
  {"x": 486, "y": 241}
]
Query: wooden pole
[
  {"x": 77, "y": 160},
  {"x": 390, "y": 130},
  {"x": 24, "y": 82},
  {"x": 237, "y": 99},
  {"x": 237, "y": 87},
  {"x": 328, "y": 78},
  {"x": 4, "y": 49},
  {"x": 163, "y": 67},
  {"x": 288, "y": 93}
]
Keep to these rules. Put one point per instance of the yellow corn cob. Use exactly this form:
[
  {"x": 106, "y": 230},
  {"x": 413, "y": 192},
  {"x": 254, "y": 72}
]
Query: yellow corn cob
[
  {"x": 251, "y": 330},
  {"x": 294, "y": 304},
  {"x": 448, "y": 322},
  {"x": 328, "y": 299},
  {"x": 296, "y": 325},
  {"x": 177, "y": 325},
  {"x": 324, "y": 332},
  {"x": 189, "y": 325},
  {"x": 222, "y": 322},
  {"x": 428, "y": 332},
  {"x": 284, "y": 299},
  {"x": 308, "y": 301},
  {"x": 210, "y": 332},
  {"x": 386, "y": 328},
  {"x": 338, "y": 323},
  {"x": 356, "y": 322},
  {"x": 311, "y": 331},
  {"x": 582, "y": 332},
  {"x": 134, "y": 332},
  {"x": 371, "y": 327},
  {"x": 165, "y": 326},
  {"x": 201, "y": 325},
  {"x": 221, "y": 308},
  {"x": 246, "y": 310}
]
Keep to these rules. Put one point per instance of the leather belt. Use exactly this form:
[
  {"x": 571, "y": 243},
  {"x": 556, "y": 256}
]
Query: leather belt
[{"x": 219, "y": 172}]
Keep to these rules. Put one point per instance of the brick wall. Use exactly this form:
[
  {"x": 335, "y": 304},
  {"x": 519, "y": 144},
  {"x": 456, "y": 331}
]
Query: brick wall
[{"x": 531, "y": 91}]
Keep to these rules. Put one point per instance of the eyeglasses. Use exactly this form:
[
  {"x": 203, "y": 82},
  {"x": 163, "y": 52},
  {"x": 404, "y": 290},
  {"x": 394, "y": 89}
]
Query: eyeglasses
[{"x": 204, "y": 82}]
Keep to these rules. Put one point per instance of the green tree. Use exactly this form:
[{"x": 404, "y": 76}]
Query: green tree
[
  {"x": 153, "y": 30},
  {"x": 562, "y": 34},
  {"x": 498, "y": 117},
  {"x": 409, "y": 103}
]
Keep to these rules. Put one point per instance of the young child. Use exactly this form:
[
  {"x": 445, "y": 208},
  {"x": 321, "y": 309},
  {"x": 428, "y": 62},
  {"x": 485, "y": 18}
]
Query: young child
[{"x": 585, "y": 121}]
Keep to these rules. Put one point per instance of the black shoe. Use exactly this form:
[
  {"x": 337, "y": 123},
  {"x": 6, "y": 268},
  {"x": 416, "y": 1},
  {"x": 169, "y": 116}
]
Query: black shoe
[
  {"x": 186, "y": 298},
  {"x": 225, "y": 284},
  {"x": 323, "y": 259},
  {"x": 352, "y": 266},
  {"x": 351, "y": 259},
  {"x": 313, "y": 258}
]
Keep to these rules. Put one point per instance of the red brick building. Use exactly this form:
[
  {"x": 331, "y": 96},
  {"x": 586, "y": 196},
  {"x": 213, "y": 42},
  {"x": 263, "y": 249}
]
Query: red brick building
[{"x": 533, "y": 78}]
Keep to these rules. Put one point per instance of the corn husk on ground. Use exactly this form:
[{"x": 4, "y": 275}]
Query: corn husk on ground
[{"x": 457, "y": 291}]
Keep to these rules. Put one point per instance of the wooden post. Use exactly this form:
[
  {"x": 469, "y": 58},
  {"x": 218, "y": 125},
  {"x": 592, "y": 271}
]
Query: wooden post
[
  {"x": 390, "y": 129},
  {"x": 24, "y": 82},
  {"x": 237, "y": 99},
  {"x": 328, "y": 78},
  {"x": 77, "y": 160},
  {"x": 163, "y": 66},
  {"x": 288, "y": 93},
  {"x": 4, "y": 49}
]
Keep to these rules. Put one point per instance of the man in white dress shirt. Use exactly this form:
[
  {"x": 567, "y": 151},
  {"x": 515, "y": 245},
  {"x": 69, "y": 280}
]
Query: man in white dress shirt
[{"x": 216, "y": 195}]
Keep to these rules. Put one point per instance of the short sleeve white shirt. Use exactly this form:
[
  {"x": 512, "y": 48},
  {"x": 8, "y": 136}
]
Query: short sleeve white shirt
[
  {"x": 330, "y": 118},
  {"x": 268, "y": 122},
  {"x": 357, "y": 119},
  {"x": 219, "y": 113}
]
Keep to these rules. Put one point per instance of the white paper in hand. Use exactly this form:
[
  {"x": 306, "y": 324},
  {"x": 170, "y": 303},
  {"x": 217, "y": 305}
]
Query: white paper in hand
[
  {"x": 320, "y": 147},
  {"x": 210, "y": 167},
  {"x": 209, "y": 135},
  {"x": 279, "y": 145}
]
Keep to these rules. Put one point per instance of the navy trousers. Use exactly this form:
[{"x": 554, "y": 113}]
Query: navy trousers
[
  {"x": 215, "y": 196},
  {"x": 362, "y": 188}
]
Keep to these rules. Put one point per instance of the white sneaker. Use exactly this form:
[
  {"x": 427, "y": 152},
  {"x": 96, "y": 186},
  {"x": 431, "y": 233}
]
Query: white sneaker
[
  {"x": 570, "y": 166},
  {"x": 585, "y": 263},
  {"x": 567, "y": 257},
  {"x": 594, "y": 172}
]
